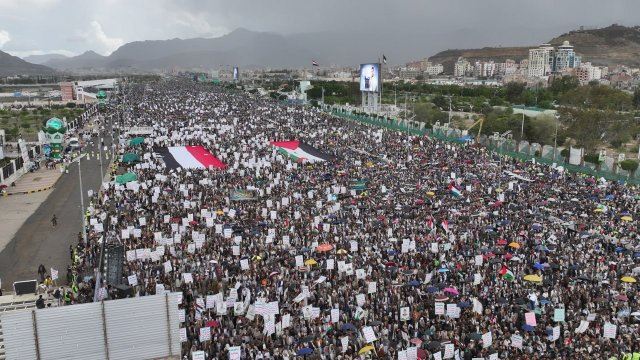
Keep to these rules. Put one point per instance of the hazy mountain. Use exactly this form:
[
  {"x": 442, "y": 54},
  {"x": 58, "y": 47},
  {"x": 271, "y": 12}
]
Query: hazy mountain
[
  {"x": 87, "y": 60},
  {"x": 247, "y": 48},
  {"x": 13, "y": 65},
  {"x": 241, "y": 47},
  {"x": 612, "y": 45},
  {"x": 41, "y": 59}
]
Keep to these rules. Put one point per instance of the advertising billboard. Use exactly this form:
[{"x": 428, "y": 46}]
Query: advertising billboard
[
  {"x": 236, "y": 73},
  {"x": 370, "y": 77}
]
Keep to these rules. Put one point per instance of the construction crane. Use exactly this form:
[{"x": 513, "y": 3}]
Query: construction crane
[{"x": 479, "y": 121}]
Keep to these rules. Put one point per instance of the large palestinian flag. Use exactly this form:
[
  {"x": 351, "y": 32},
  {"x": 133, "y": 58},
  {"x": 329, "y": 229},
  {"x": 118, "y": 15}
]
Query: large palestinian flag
[
  {"x": 301, "y": 152},
  {"x": 189, "y": 157}
]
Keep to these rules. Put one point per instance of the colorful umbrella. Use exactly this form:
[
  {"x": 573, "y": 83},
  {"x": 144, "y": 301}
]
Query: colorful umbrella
[
  {"x": 514, "y": 245},
  {"x": 130, "y": 158},
  {"x": 628, "y": 279},
  {"x": 125, "y": 178},
  {"x": 136, "y": 141},
  {"x": 310, "y": 262},
  {"x": 366, "y": 349},
  {"x": 533, "y": 278},
  {"x": 324, "y": 247},
  {"x": 304, "y": 352},
  {"x": 451, "y": 290},
  {"x": 626, "y": 218}
]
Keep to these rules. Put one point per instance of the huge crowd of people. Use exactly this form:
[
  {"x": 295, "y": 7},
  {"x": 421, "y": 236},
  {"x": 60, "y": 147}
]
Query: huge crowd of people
[{"x": 401, "y": 247}]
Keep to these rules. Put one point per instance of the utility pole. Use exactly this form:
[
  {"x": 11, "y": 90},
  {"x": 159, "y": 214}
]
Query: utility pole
[
  {"x": 449, "y": 123},
  {"x": 522, "y": 126},
  {"x": 555, "y": 138},
  {"x": 323, "y": 96},
  {"x": 405, "y": 105},
  {"x": 395, "y": 95},
  {"x": 84, "y": 227}
]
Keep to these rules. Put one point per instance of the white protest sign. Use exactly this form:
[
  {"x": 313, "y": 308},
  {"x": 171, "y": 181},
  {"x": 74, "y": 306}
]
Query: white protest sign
[
  {"x": 369, "y": 335},
  {"x": 439, "y": 308},
  {"x": 516, "y": 341},
  {"x": 198, "y": 355},
  {"x": 235, "y": 352},
  {"x": 335, "y": 315},
  {"x": 133, "y": 280},
  {"x": 609, "y": 331},
  {"x": 405, "y": 313},
  {"x": 448, "y": 351},
  {"x": 487, "y": 339},
  {"x": 54, "y": 274},
  {"x": 205, "y": 334}
]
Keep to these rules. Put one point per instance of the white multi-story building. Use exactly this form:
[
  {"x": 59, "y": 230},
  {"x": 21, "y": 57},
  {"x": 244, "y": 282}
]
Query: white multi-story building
[
  {"x": 485, "y": 69},
  {"x": 434, "y": 69},
  {"x": 540, "y": 61},
  {"x": 565, "y": 58},
  {"x": 509, "y": 67},
  {"x": 462, "y": 67}
]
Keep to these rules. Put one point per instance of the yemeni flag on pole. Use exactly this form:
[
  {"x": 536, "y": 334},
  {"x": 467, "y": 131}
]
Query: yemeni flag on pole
[
  {"x": 301, "y": 152},
  {"x": 430, "y": 223},
  {"x": 314, "y": 63},
  {"x": 189, "y": 157},
  {"x": 445, "y": 226}
]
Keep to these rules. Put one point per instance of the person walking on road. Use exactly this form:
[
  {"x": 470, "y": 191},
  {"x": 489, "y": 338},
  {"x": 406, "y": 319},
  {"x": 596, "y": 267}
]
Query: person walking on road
[
  {"x": 54, "y": 220},
  {"x": 42, "y": 271}
]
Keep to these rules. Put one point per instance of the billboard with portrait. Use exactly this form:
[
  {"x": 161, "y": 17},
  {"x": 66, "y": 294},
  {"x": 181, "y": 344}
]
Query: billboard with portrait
[
  {"x": 236, "y": 73},
  {"x": 370, "y": 77}
]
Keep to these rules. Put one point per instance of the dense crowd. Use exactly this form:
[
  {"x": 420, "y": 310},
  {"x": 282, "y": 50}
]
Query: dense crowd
[{"x": 402, "y": 247}]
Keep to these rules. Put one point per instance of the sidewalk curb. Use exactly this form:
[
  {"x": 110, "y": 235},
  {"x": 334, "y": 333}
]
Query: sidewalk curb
[{"x": 29, "y": 191}]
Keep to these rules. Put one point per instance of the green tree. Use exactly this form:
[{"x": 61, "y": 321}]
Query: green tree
[
  {"x": 629, "y": 165},
  {"x": 513, "y": 92},
  {"x": 428, "y": 113},
  {"x": 563, "y": 84}
]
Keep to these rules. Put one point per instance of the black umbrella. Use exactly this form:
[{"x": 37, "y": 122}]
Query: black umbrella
[{"x": 433, "y": 345}]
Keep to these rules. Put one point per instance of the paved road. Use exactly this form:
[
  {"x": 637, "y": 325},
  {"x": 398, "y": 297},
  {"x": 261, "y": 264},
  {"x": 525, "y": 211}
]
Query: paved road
[{"x": 38, "y": 242}]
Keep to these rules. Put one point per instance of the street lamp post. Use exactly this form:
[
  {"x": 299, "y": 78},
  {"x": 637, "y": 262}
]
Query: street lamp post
[
  {"x": 84, "y": 220},
  {"x": 555, "y": 138}
]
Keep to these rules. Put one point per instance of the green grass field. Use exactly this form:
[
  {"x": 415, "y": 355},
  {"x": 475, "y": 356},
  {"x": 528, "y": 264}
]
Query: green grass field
[{"x": 28, "y": 122}]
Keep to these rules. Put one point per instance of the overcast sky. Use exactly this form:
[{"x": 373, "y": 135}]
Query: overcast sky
[{"x": 74, "y": 26}]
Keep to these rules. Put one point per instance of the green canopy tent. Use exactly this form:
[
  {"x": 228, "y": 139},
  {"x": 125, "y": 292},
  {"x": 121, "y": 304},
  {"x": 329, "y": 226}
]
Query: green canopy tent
[
  {"x": 136, "y": 141},
  {"x": 125, "y": 178},
  {"x": 130, "y": 158}
]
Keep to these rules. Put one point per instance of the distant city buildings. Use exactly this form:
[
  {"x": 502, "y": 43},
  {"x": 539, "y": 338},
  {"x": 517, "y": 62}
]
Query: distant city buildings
[
  {"x": 546, "y": 60},
  {"x": 462, "y": 67},
  {"x": 540, "y": 61},
  {"x": 565, "y": 58},
  {"x": 422, "y": 68},
  {"x": 434, "y": 69},
  {"x": 587, "y": 72}
]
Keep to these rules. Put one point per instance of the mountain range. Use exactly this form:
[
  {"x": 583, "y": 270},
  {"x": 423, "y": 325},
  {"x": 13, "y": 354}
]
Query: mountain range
[
  {"x": 249, "y": 49},
  {"x": 612, "y": 45},
  {"x": 12, "y": 65}
]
